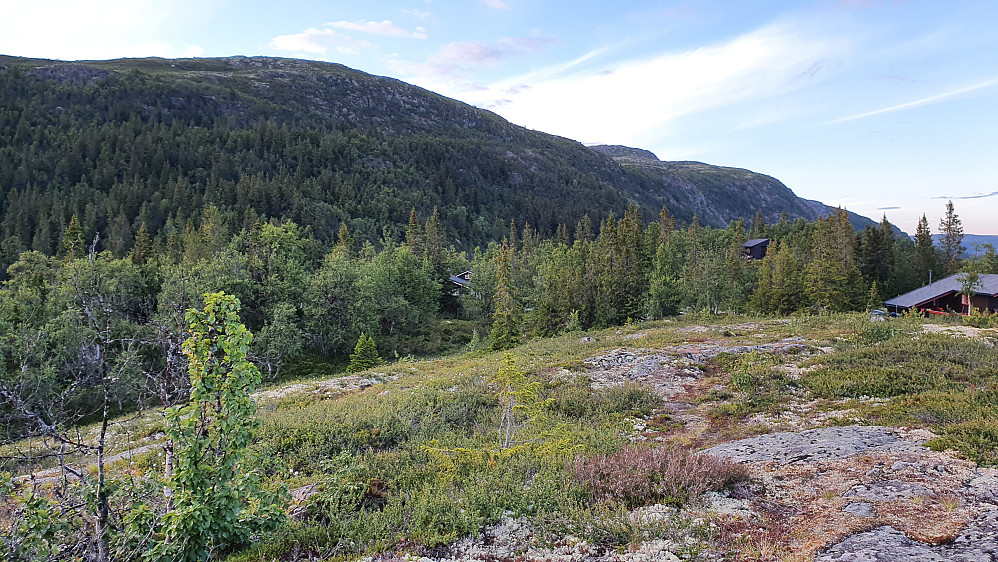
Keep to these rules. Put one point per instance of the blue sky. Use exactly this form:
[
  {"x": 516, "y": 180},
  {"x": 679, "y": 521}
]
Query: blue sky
[{"x": 878, "y": 106}]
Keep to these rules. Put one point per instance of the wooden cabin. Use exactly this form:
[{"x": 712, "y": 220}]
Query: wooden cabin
[
  {"x": 944, "y": 296},
  {"x": 755, "y": 249}
]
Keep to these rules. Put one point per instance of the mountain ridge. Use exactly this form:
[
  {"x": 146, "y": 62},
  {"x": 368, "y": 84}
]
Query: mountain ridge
[
  {"x": 693, "y": 177},
  {"x": 157, "y": 141}
]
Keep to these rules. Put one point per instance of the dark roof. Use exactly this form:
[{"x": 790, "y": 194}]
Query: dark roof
[
  {"x": 988, "y": 286},
  {"x": 755, "y": 242},
  {"x": 459, "y": 280}
]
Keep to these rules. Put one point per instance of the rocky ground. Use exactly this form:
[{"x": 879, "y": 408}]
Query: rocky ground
[
  {"x": 820, "y": 488},
  {"x": 841, "y": 493}
]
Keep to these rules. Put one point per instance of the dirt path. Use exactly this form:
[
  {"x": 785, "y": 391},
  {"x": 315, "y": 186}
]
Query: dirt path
[{"x": 324, "y": 388}]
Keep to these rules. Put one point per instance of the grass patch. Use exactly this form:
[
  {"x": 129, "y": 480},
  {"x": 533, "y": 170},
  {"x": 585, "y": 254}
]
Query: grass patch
[
  {"x": 948, "y": 384},
  {"x": 415, "y": 463},
  {"x": 755, "y": 386},
  {"x": 903, "y": 366}
]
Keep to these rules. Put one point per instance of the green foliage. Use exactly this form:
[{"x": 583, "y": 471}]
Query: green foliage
[
  {"x": 34, "y": 525},
  {"x": 162, "y": 143},
  {"x": 578, "y": 401},
  {"x": 980, "y": 319},
  {"x": 833, "y": 283},
  {"x": 970, "y": 282},
  {"x": 505, "y": 320},
  {"x": 616, "y": 526},
  {"x": 216, "y": 505},
  {"x": 951, "y": 229},
  {"x": 365, "y": 355},
  {"x": 869, "y": 331},
  {"x": 519, "y": 400},
  {"x": 476, "y": 343},
  {"x": 758, "y": 385},
  {"x": 925, "y": 253},
  {"x": 903, "y": 366}
]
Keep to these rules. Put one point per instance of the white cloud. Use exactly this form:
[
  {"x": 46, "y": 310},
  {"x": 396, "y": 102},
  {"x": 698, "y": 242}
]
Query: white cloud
[
  {"x": 435, "y": 76},
  {"x": 318, "y": 41},
  {"x": 641, "y": 97},
  {"x": 921, "y": 102},
  {"x": 385, "y": 28},
  {"x": 79, "y": 29},
  {"x": 418, "y": 14},
  {"x": 497, "y": 4},
  {"x": 449, "y": 68},
  {"x": 482, "y": 53}
]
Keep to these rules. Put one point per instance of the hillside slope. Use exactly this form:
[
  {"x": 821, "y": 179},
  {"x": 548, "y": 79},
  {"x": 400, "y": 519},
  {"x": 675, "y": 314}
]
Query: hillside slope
[
  {"x": 717, "y": 194},
  {"x": 124, "y": 142}
]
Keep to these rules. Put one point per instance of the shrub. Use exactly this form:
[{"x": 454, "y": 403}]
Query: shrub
[
  {"x": 577, "y": 400},
  {"x": 979, "y": 319},
  {"x": 903, "y": 366},
  {"x": 870, "y": 332},
  {"x": 639, "y": 476},
  {"x": 365, "y": 355},
  {"x": 616, "y": 526}
]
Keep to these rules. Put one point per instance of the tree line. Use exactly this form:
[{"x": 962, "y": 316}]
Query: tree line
[
  {"x": 86, "y": 335},
  {"x": 308, "y": 302}
]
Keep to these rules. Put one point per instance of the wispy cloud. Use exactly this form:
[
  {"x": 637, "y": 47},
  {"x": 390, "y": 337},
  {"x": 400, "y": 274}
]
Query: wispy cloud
[
  {"x": 887, "y": 208},
  {"x": 478, "y": 53},
  {"x": 921, "y": 102},
  {"x": 497, "y": 4},
  {"x": 631, "y": 99},
  {"x": 982, "y": 196},
  {"x": 319, "y": 41},
  {"x": 452, "y": 64},
  {"x": 385, "y": 28},
  {"x": 418, "y": 14}
]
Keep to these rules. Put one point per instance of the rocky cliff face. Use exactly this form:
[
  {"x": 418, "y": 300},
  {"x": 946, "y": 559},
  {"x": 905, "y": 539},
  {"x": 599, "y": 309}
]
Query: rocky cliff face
[
  {"x": 716, "y": 194},
  {"x": 617, "y": 151}
]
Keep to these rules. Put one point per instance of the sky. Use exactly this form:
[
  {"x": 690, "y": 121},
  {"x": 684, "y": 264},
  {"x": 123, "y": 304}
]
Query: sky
[{"x": 882, "y": 107}]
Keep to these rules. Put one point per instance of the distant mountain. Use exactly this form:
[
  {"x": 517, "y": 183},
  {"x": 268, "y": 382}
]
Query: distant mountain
[
  {"x": 973, "y": 242},
  {"x": 617, "y": 151},
  {"x": 717, "y": 194},
  {"x": 127, "y": 142}
]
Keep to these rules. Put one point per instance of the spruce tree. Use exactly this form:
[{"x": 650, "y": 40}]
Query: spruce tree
[
  {"x": 952, "y": 237},
  {"x": 887, "y": 273},
  {"x": 142, "y": 249},
  {"x": 925, "y": 253},
  {"x": 584, "y": 229},
  {"x": 365, "y": 355},
  {"x": 758, "y": 225},
  {"x": 414, "y": 235},
  {"x": 72, "y": 240},
  {"x": 832, "y": 281},
  {"x": 505, "y": 320},
  {"x": 344, "y": 242},
  {"x": 666, "y": 224}
]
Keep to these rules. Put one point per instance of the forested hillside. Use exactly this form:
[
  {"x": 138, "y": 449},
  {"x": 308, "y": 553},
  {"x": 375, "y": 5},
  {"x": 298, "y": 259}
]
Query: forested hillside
[
  {"x": 175, "y": 231},
  {"x": 126, "y": 143}
]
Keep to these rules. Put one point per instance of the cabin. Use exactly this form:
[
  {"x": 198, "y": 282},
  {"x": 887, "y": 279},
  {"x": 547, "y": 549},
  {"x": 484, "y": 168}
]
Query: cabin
[
  {"x": 755, "y": 249},
  {"x": 944, "y": 296},
  {"x": 459, "y": 282}
]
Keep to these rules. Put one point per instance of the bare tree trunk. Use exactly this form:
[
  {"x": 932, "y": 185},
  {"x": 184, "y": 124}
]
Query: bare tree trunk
[
  {"x": 103, "y": 505},
  {"x": 168, "y": 474}
]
